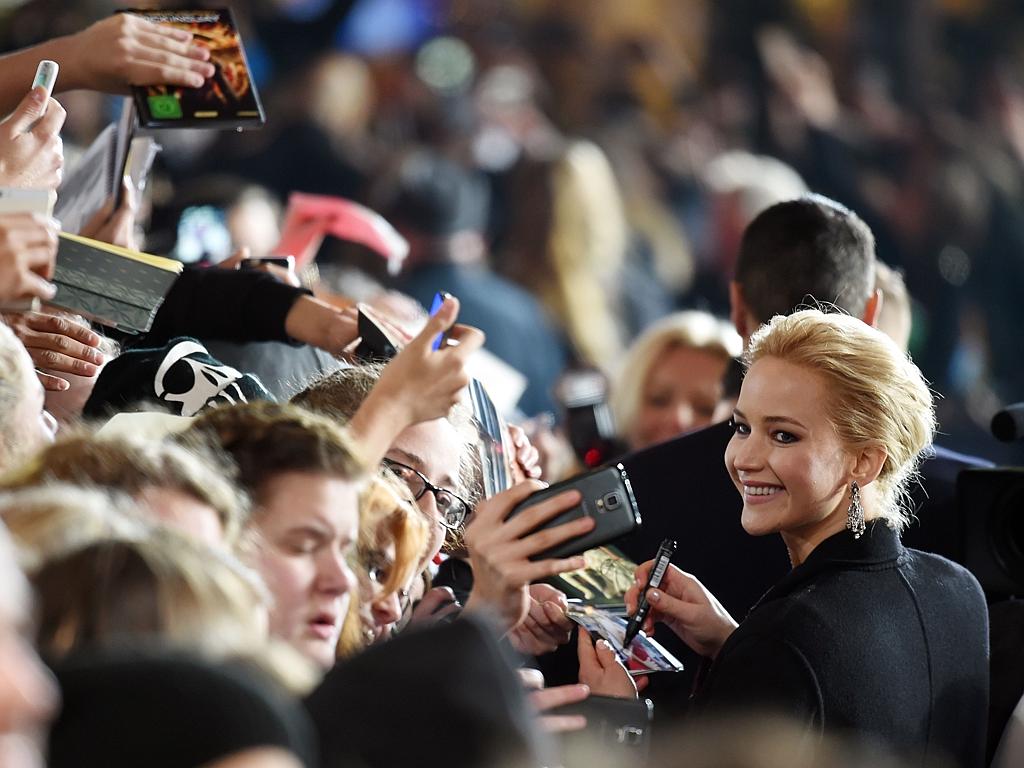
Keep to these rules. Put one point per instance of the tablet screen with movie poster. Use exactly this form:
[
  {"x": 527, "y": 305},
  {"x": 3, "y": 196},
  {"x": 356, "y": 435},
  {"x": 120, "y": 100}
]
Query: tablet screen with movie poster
[{"x": 228, "y": 99}]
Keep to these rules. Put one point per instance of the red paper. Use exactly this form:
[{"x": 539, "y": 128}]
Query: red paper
[{"x": 310, "y": 217}]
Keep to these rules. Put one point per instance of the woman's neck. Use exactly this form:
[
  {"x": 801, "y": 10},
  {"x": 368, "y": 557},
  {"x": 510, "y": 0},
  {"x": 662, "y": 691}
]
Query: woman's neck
[{"x": 801, "y": 541}]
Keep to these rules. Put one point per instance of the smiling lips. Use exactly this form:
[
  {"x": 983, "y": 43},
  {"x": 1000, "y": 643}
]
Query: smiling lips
[{"x": 760, "y": 493}]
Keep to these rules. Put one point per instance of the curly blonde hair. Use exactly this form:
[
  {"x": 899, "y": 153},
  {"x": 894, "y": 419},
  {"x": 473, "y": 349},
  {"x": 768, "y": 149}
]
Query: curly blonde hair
[
  {"x": 131, "y": 465},
  {"x": 877, "y": 396}
]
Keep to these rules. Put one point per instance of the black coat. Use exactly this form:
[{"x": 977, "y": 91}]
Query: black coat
[
  {"x": 870, "y": 636},
  {"x": 685, "y": 493}
]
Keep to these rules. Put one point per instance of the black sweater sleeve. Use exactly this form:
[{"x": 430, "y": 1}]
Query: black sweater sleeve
[
  {"x": 229, "y": 305},
  {"x": 761, "y": 673}
]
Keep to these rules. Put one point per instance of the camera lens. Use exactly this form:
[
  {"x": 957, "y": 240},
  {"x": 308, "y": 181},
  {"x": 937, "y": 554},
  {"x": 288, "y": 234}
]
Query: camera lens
[{"x": 611, "y": 501}]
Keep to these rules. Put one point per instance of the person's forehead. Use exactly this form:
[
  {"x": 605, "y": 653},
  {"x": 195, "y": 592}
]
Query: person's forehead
[
  {"x": 294, "y": 498},
  {"x": 701, "y": 369},
  {"x": 774, "y": 387},
  {"x": 434, "y": 448}
]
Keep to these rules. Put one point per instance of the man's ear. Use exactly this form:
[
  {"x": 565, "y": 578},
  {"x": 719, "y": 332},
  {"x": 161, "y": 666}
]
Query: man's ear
[
  {"x": 868, "y": 463},
  {"x": 873, "y": 309},
  {"x": 738, "y": 312}
]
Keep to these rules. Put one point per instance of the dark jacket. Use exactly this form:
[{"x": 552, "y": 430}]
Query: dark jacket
[
  {"x": 870, "y": 636},
  {"x": 233, "y": 305},
  {"x": 684, "y": 492},
  {"x": 239, "y": 315}
]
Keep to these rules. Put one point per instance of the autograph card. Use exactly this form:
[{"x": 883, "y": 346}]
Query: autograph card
[{"x": 643, "y": 656}]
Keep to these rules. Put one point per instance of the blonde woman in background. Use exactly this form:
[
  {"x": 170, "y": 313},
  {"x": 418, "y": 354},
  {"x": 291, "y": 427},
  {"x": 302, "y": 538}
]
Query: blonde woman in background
[
  {"x": 671, "y": 379},
  {"x": 567, "y": 245}
]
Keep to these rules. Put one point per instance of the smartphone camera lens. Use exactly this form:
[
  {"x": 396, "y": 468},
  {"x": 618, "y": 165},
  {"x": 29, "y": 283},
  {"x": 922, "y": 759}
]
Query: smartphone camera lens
[{"x": 611, "y": 501}]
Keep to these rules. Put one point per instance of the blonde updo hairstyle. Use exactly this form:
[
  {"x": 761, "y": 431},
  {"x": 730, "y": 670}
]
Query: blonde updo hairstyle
[
  {"x": 876, "y": 395},
  {"x": 692, "y": 329}
]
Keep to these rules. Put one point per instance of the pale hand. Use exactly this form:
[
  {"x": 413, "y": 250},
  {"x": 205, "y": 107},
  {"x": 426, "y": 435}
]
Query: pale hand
[{"x": 686, "y": 607}]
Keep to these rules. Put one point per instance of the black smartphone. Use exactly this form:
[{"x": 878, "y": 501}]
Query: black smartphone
[
  {"x": 607, "y": 497},
  {"x": 587, "y": 417},
  {"x": 375, "y": 345}
]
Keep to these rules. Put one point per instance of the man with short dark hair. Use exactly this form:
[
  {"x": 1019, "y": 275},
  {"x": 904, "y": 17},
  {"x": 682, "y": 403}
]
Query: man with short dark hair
[{"x": 809, "y": 251}]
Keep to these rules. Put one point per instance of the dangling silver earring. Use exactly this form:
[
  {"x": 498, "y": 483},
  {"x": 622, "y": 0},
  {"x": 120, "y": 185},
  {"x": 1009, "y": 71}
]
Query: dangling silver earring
[{"x": 855, "y": 514}]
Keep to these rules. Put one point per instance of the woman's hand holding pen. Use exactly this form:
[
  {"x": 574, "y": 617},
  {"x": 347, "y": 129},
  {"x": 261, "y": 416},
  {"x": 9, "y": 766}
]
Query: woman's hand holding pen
[{"x": 686, "y": 607}]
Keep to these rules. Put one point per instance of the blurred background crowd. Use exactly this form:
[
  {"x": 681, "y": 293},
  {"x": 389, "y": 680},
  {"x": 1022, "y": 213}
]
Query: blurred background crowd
[
  {"x": 612, "y": 154},
  {"x": 616, "y": 195}
]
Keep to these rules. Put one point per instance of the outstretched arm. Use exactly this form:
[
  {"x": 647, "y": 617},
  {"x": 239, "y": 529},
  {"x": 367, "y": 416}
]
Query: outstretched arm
[{"x": 111, "y": 55}]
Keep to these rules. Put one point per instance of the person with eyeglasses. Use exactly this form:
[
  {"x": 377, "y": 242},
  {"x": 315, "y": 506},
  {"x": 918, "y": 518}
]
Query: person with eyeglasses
[
  {"x": 452, "y": 508},
  {"x": 432, "y": 458}
]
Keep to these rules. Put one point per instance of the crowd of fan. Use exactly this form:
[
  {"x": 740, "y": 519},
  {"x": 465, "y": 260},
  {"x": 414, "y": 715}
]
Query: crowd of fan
[{"x": 241, "y": 570}]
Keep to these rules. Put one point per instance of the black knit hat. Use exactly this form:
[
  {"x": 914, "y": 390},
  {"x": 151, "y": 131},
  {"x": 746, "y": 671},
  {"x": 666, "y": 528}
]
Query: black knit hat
[
  {"x": 181, "y": 377},
  {"x": 132, "y": 709}
]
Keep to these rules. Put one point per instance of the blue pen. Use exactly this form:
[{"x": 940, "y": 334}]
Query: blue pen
[{"x": 435, "y": 307}]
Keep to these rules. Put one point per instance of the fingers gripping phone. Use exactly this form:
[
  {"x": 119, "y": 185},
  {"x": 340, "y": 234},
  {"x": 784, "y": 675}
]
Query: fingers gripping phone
[{"x": 607, "y": 496}]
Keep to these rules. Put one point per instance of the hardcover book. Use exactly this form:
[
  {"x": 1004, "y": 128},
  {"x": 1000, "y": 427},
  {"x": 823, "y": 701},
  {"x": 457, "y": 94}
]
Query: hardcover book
[
  {"x": 228, "y": 99},
  {"x": 113, "y": 286}
]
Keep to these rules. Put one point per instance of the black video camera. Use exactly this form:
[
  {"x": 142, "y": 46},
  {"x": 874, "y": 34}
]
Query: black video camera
[{"x": 991, "y": 503}]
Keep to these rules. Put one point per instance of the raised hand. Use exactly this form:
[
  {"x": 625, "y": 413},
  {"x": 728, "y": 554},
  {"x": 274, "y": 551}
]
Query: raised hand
[
  {"x": 125, "y": 50},
  {"x": 546, "y": 626},
  {"x": 686, "y": 607},
  {"x": 500, "y": 548},
  {"x": 59, "y": 344},
  {"x": 601, "y": 669},
  {"x": 547, "y": 699},
  {"x": 31, "y": 152},
  {"x": 28, "y": 248},
  {"x": 437, "y": 603},
  {"x": 419, "y": 384},
  {"x": 115, "y": 227},
  {"x": 526, "y": 462}
]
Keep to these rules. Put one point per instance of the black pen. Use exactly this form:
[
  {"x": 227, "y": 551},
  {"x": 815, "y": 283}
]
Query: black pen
[{"x": 661, "y": 561}]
